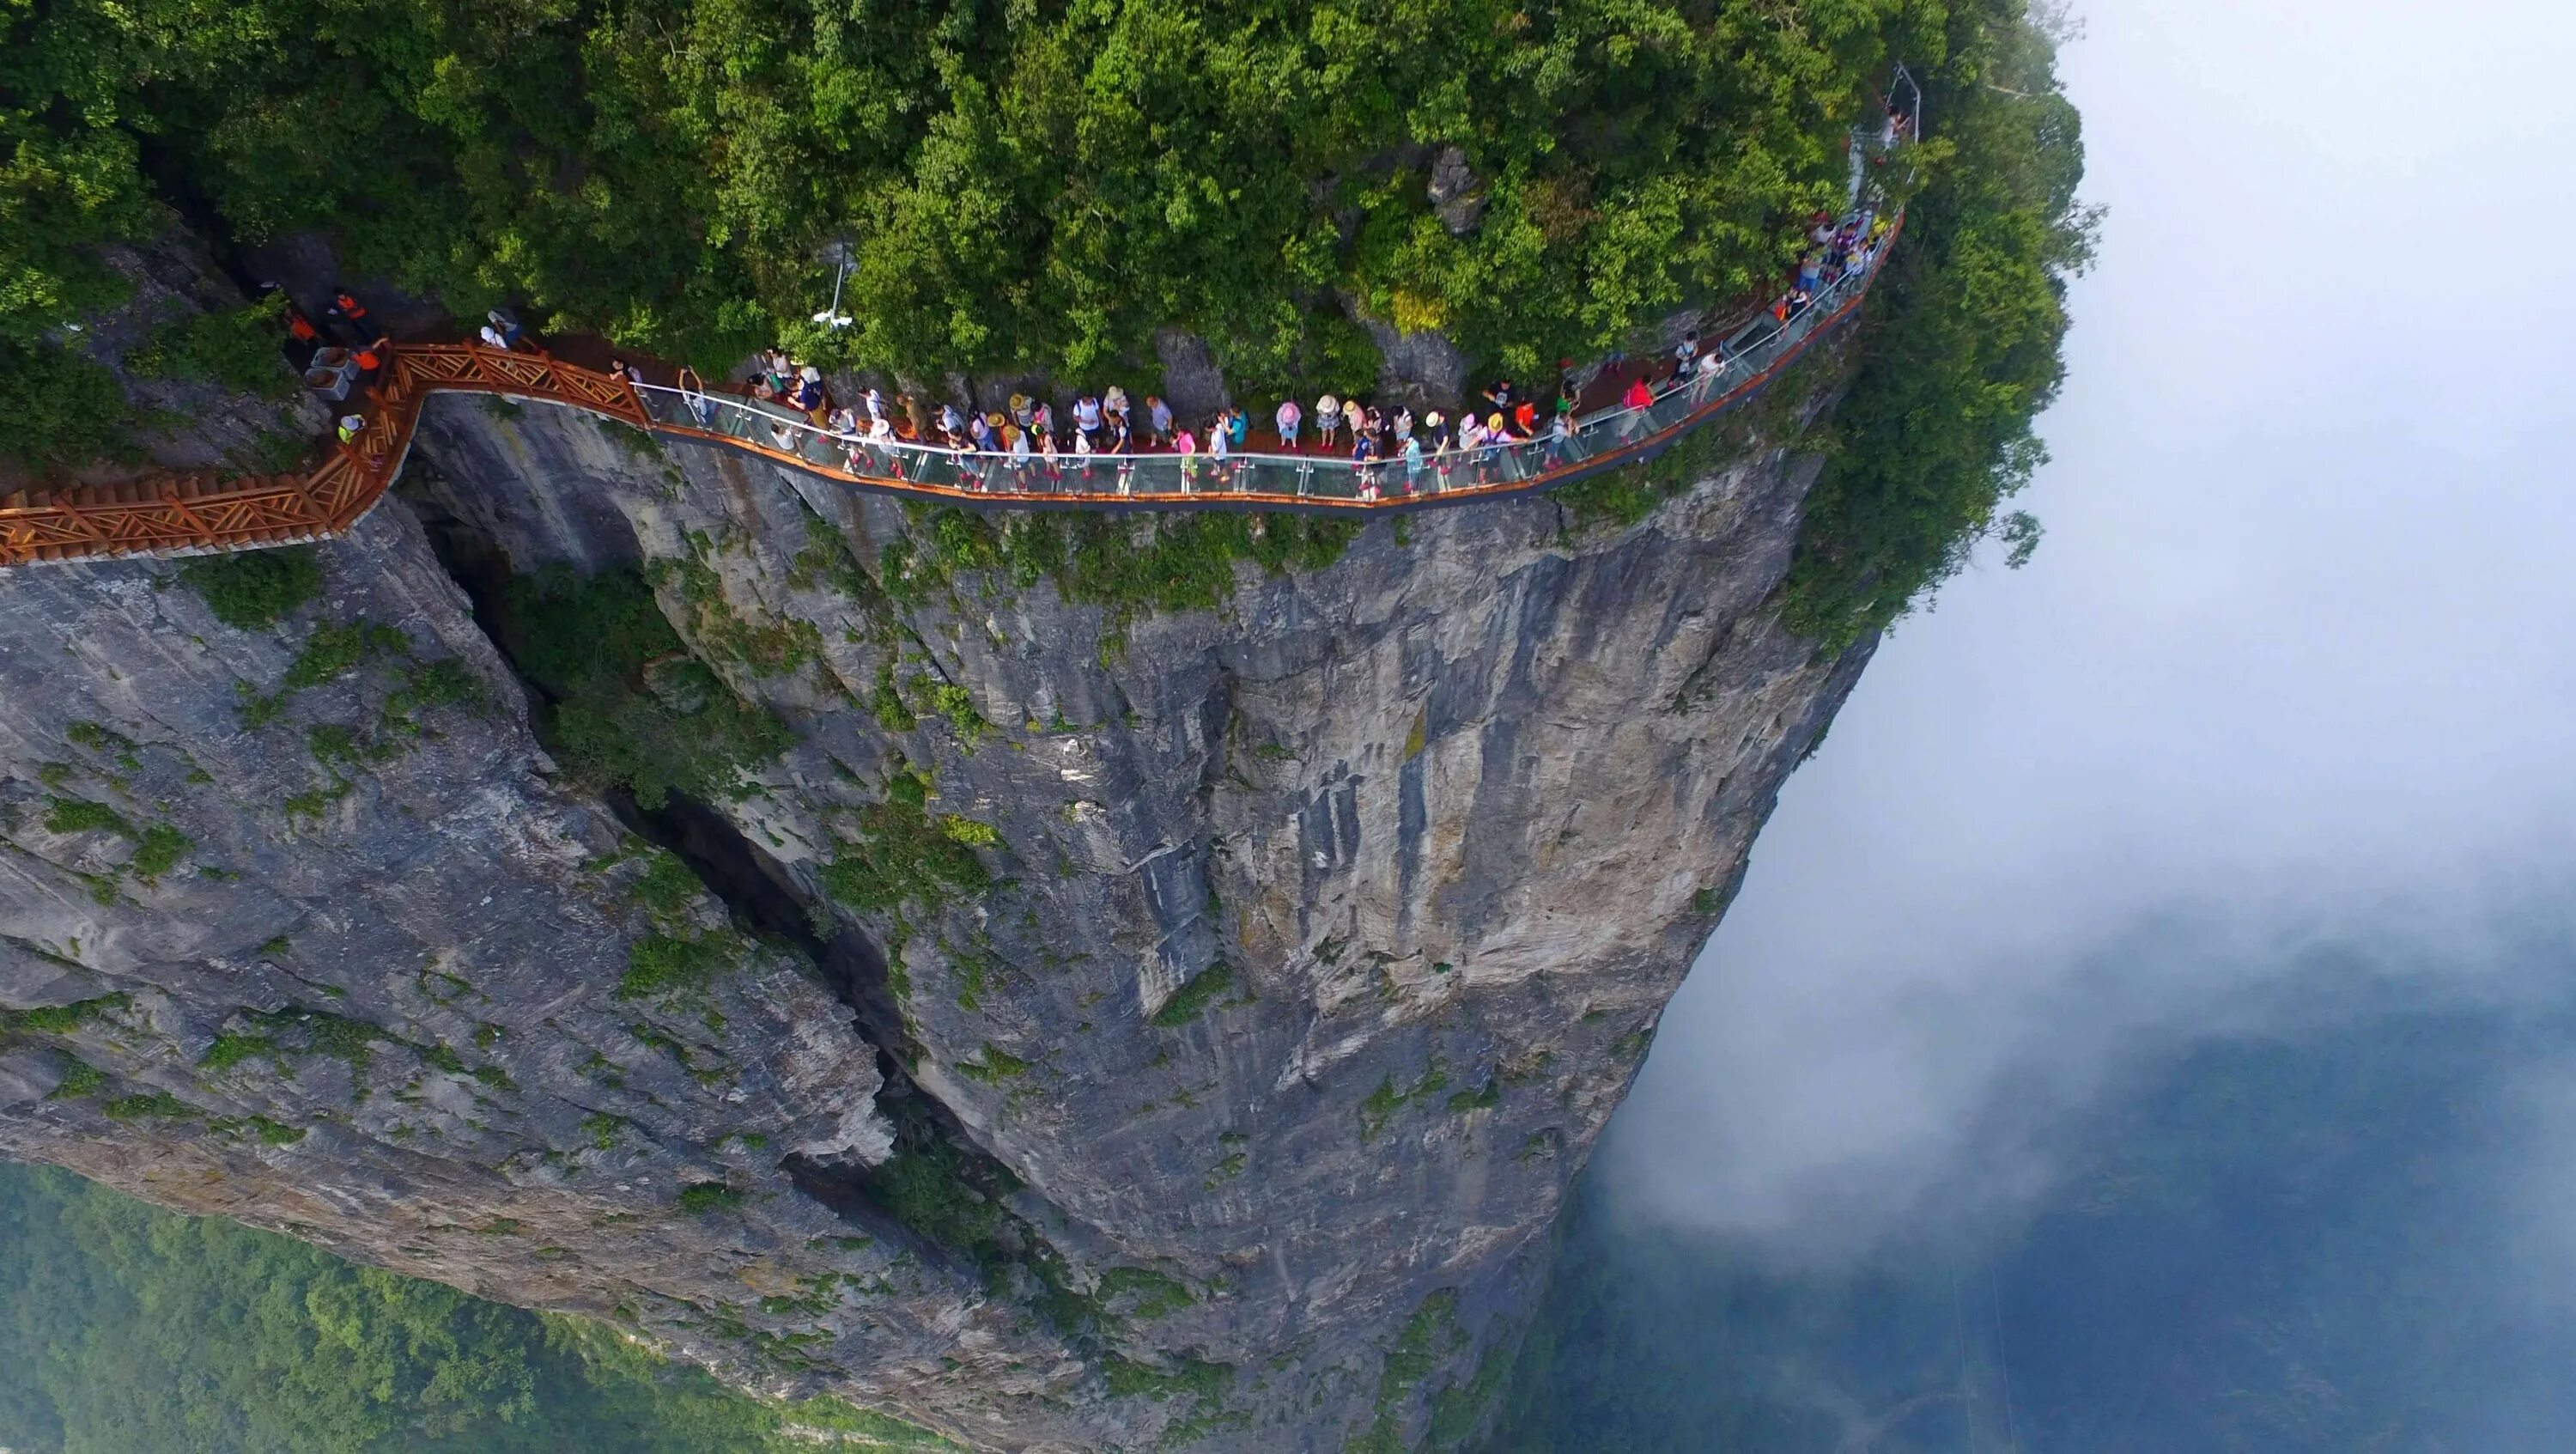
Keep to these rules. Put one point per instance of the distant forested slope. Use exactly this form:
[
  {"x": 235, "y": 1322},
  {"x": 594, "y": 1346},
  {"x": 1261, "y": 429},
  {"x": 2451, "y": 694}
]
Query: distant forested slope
[{"x": 129, "y": 1330}]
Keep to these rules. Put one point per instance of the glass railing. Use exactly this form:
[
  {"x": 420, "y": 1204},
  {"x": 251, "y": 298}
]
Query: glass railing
[{"x": 1748, "y": 356}]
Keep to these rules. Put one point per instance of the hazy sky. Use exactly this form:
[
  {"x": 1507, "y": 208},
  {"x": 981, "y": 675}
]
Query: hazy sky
[{"x": 2296, "y": 661}]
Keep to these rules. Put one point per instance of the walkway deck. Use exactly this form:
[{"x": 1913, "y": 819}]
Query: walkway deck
[{"x": 188, "y": 514}]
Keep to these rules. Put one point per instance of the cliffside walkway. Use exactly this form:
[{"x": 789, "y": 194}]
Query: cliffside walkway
[{"x": 195, "y": 513}]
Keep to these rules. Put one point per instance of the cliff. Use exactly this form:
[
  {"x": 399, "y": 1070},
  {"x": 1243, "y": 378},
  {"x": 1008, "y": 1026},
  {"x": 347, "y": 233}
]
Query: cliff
[{"x": 1160, "y": 991}]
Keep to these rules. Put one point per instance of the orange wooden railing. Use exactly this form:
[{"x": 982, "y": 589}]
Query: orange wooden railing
[{"x": 194, "y": 512}]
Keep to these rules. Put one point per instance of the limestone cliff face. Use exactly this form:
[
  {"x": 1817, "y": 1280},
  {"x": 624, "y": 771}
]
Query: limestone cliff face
[{"x": 1325, "y": 931}]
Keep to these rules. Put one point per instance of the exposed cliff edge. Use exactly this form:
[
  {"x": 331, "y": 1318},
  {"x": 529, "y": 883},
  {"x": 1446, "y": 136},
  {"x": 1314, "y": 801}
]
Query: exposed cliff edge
[{"x": 1303, "y": 948}]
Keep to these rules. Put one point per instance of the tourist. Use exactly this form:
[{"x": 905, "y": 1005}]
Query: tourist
[
  {"x": 1019, "y": 442},
  {"x": 1239, "y": 424},
  {"x": 1188, "y": 447},
  {"x": 809, "y": 394},
  {"x": 1220, "y": 447},
  {"x": 1053, "y": 461},
  {"x": 1560, "y": 435},
  {"x": 1500, "y": 395},
  {"x": 1288, "y": 418},
  {"x": 507, "y": 325},
  {"x": 1438, "y": 424},
  {"x": 348, "y": 318},
  {"x": 694, "y": 395},
  {"x": 1525, "y": 419},
  {"x": 1158, "y": 421},
  {"x": 1686, "y": 354},
  {"x": 351, "y": 426},
  {"x": 1119, "y": 440},
  {"x": 1086, "y": 417},
  {"x": 1328, "y": 420},
  {"x": 1022, "y": 410},
  {"x": 1043, "y": 421},
  {"x": 1082, "y": 455},
  {"x": 950, "y": 425},
  {"x": 1114, "y": 403},
  {"x": 1403, "y": 427},
  {"x": 1636, "y": 401},
  {"x": 1412, "y": 461},
  {"x": 875, "y": 403},
  {"x": 1704, "y": 377},
  {"x": 916, "y": 415},
  {"x": 979, "y": 432},
  {"x": 492, "y": 337}
]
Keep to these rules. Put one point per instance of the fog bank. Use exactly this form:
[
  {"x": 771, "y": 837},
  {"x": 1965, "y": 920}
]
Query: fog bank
[{"x": 2289, "y": 684}]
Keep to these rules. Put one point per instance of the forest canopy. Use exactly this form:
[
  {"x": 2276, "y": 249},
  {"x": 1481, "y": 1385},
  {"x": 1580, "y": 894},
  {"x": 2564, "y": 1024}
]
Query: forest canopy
[
  {"x": 1026, "y": 185},
  {"x": 1013, "y": 183},
  {"x": 125, "y": 1329}
]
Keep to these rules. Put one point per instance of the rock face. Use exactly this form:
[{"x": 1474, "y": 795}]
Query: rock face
[
  {"x": 189, "y": 423},
  {"x": 1324, "y": 930}
]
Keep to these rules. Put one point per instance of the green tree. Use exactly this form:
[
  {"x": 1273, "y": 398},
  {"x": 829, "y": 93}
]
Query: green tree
[{"x": 1962, "y": 335}]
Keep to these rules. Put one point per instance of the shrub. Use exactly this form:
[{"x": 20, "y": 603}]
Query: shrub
[
  {"x": 235, "y": 348},
  {"x": 1196, "y": 995},
  {"x": 702, "y": 1197},
  {"x": 251, "y": 590},
  {"x": 661, "y": 964}
]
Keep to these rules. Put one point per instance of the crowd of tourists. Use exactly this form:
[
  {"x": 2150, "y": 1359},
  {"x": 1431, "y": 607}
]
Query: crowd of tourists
[
  {"x": 1032, "y": 444},
  {"x": 1035, "y": 443}
]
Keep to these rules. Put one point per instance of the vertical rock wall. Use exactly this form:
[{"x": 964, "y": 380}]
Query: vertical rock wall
[
  {"x": 1329, "y": 926},
  {"x": 1322, "y": 931}
]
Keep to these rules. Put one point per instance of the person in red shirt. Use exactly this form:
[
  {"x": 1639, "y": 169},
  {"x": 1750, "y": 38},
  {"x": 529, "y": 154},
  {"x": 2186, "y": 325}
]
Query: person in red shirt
[
  {"x": 350, "y": 317},
  {"x": 371, "y": 358},
  {"x": 1636, "y": 401},
  {"x": 299, "y": 327}
]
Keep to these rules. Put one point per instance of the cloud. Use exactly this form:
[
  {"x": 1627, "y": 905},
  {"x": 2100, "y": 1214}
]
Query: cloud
[{"x": 2291, "y": 674}]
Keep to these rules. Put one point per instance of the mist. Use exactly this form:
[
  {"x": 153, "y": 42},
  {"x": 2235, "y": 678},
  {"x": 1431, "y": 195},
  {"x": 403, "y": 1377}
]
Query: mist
[{"x": 2281, "y": 719}]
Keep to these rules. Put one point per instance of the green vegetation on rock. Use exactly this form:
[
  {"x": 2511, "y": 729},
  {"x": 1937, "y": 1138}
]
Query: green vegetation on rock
[
  {"x": 628, "y": 706},
  {"x": 60, "y": 1019},
  {"x": 1195, "y": 995},
  {"x": 251, "y": 590},
  {"x": 233, "y": 348},
  {"x": 903, "y": 855}
]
